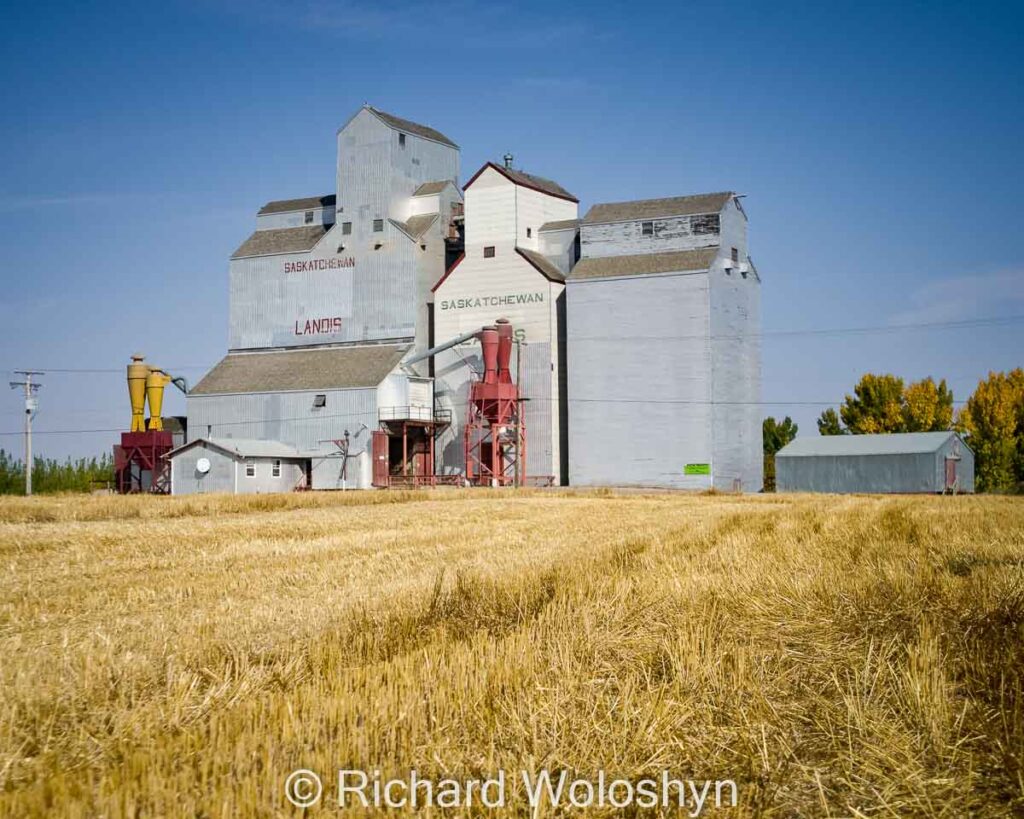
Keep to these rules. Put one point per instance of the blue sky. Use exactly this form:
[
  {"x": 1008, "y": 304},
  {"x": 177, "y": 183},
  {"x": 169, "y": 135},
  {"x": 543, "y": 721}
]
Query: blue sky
[{"x": 879, "y": 147}]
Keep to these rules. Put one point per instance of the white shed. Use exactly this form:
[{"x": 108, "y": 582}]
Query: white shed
[{"x": 238, "y": 465}]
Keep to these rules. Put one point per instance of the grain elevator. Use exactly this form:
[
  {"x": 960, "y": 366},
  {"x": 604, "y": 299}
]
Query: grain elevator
[{"x": 406, "y": 331}]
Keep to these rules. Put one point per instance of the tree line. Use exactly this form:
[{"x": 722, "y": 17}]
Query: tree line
[
  {"x": 991, "y": 422},
  {"x": 49, "y": 475}
]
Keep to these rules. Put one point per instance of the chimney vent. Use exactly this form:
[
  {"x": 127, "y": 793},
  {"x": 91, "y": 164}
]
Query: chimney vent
[{"x": 508, "y": 161}]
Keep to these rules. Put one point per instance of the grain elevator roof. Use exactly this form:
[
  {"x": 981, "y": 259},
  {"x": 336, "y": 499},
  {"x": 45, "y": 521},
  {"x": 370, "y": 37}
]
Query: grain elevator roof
[
  {"x": 897, "y": 443},
  {"x": 286, "y": 205},
  {"x": 606, "y": 267},
  {"x": 527, "y": 180},
  {"x": 296, "y": 370},
  {"x": 281, "y": 240},
  {"x": 657, "y": 208},
  {"x": 410, "y": 127}
]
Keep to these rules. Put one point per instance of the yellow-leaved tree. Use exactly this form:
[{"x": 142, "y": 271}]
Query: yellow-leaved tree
[
  {"x": 927, "y": 406},
  {"x": 992, "y": 422},
  {"x": 881, "y": 403}
]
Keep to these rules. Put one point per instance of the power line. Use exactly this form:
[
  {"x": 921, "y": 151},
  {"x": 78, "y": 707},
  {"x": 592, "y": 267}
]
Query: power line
[
  {"x": 669, "y": 401},
  {"x": 984, "y": 321},
  {"x": 989, "y": 321}
]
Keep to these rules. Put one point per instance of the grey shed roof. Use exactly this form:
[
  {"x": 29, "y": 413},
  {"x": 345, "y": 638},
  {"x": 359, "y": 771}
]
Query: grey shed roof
[
  {"x": 428, "y": 188},
  {"x": 564, "y": 224},
  {"x": 656, "y": 208},
  {"x": 683, "y": 261},
  {"x": 281, "y": 240},
  {"x": 286, "y": 205},
  {"x": 244, "y": 447},
  {"x": 415, "y": 226},
  {"x": 296, "y": 370},
  {"x": 410, "y": 127},
  {"x": 542, "y": 264},
  {"x": 897, "y": 443}
]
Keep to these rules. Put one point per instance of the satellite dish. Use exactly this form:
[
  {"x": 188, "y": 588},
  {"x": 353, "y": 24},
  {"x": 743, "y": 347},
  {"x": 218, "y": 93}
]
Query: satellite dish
[{"x": 203, "y": 465}]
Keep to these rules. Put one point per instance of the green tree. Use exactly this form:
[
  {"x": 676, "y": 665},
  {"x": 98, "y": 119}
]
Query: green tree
[
  {"x": 775, "y": 435},
  {"x": 992, "y": 421},
  {"x": 828, "y": 423}
]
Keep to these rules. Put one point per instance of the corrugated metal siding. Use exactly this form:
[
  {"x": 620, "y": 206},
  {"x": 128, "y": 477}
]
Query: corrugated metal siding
[
  {"x": 858, "y": 473},
  {"x": 228, "y": 474},
  {"x": 894, "y": 472},
  {"x": 186, "y": 480},
  {"x": 375, "y": 300},
  {"x": 494, "y": 281},
  {"x": 287, "y": 417},
  {"x": 735, "y": 325},
  {"x": 638, "y": 408},
  {"x": 384, "y": 295}
]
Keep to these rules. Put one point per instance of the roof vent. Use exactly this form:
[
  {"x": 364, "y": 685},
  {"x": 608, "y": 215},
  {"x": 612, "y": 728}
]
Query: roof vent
[{"x": 508, "y": 160}]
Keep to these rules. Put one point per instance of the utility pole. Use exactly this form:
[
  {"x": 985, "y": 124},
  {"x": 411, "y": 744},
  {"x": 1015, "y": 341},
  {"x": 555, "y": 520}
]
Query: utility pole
[{"x": 31, "y": 405}]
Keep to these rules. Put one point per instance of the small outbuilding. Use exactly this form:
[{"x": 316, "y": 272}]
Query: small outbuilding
[
  {"x": 237, "y": 465},
  {"x": 913, "y": 462}
]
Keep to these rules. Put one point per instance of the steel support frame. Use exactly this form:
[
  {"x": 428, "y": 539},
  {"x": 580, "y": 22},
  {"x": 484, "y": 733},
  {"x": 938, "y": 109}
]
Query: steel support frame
[{"x": 495, "y": 441}]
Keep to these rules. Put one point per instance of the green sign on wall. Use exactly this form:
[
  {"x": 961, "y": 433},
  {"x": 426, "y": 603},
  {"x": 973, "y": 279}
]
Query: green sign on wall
[{"x": 697, "y": 469}]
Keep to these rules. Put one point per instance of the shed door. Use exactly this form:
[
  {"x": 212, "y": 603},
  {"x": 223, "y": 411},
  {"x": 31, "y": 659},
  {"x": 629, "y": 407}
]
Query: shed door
[
  {"x": 380, "y": 458},
  {"x": 950, "y": 473}
]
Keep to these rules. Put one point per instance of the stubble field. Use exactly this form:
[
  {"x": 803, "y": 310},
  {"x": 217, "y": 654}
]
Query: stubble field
[{"x": 833, "y": 656}]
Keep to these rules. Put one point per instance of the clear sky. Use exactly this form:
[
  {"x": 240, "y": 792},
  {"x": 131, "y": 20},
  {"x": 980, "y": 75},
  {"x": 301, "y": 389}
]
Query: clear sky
[{"x": 879, "y": 146}]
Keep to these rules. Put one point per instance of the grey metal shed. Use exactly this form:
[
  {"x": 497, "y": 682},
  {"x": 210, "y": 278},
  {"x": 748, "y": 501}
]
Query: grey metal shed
[
  {"x": 237, "y": 465},
  {"x": 913, "y": 462}
]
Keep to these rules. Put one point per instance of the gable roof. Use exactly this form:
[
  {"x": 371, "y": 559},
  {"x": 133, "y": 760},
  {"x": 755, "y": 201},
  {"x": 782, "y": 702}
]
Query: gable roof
[
  {"x": 242, "y": 448},
  {"x": 410, "y": 127},
  {"x": 656, "y": 208},
  {"x": 448, "y": 272},
  {"x": 562, "y": 224},
  {"x": 415, "y": 226},
  {"x": 309, "y": 202},
  {"x": 527, "y": 180},
  {"x": 297, "y": 370},
  {"x": 429, "y": 188},
  {"x": 281, "y": 240},
  {"x": 542, "y": 264},
  {"x": 645, "y": 264},
  {"x": 897, "y": 443}
]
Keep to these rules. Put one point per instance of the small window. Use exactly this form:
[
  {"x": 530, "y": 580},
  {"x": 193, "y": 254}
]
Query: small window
[
  {"x": 529, "y": 232},
  {"x": 401, "y": 140},
  {"x": 319, "y": 401},
  {"x": 378, "y": 225},
  {"x": 275, "y": 470},
  {"x": 704, "y": 224},
  {"x": 309, "y": 217},
  {"x": 647, "y": 228},
  {"x": 735, "y": 255},
  {"x": 346, "y": 228},
  {"x": 489, "y": 252},
  {"x": 250, "y": 469}
]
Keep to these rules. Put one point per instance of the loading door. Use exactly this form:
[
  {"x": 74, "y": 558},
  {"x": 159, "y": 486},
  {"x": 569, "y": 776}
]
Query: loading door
[
  {"x": 950, "y": 474},
  {"x": 380, "y": 458}
]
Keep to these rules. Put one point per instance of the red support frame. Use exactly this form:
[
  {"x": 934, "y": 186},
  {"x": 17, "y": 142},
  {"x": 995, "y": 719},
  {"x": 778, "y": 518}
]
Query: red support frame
[{"x": 139, "y": 453}]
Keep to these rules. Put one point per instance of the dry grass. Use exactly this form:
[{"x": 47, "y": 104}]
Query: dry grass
[{"x": 833, "y": 656}]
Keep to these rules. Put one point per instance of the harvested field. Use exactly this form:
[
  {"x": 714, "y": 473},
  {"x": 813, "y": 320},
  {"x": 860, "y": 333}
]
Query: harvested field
[{"x": 832, "y": 656}]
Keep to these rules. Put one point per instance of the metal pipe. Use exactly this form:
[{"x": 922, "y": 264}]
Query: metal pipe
[{"x": 441, "y": 347}]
